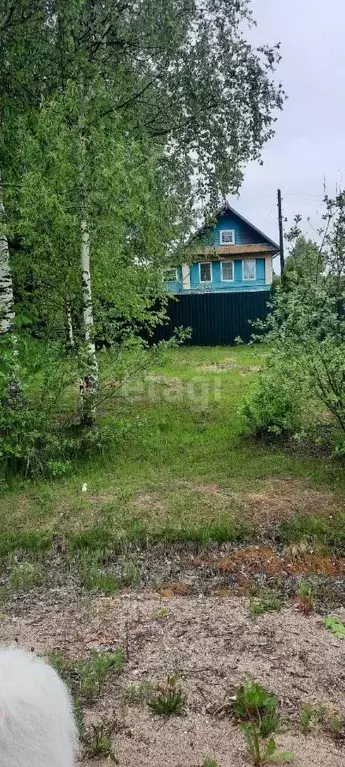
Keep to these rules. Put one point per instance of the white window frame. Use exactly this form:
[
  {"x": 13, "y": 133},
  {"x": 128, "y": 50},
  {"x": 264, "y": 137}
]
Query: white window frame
[
  {"x": 176, "y": 275},
  {"x": 225, "y": 279},
  {"x": 202, "y": 263},
  {"x": 248, "y": 279},
  {"x": 227, "y": 231}
]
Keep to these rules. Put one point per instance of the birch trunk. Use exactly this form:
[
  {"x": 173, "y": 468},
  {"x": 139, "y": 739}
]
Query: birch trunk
[
  {"x": 69, "y": 323},
  {"x": 89, "y": 383},
  {"x": 7, "y": 314},
  {"x": 6, "y": 286}
]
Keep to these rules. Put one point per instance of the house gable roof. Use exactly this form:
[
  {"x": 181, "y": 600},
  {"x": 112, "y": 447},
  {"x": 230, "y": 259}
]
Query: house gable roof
[{"x": 228, "y": 209}]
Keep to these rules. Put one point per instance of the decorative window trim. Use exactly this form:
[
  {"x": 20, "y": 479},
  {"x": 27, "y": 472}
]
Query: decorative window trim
[
  {"x": 225, "y": 279},
  {"x": 203, "y": 263},
  {"x": 227, "y": 231},
  {"x": 248, "y": 279},
  {"x": 168, "y": 278}
]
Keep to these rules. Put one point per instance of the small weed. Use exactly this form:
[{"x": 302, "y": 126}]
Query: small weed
[
  {"x": 311, "y": 716},
  {"x": 139, "y": 693},
  {"x": 97, "y": 742},
  {"x": 160, "y": 615},
  {"x": 86, "y": 678},
  {"x": 209, "y": 763},
  {"x": 168, "y": 700},
  {"x": 129, "y": 574},
  {"x": 78, "y": 715},
  {"x": 93, "y": 577},
  {"x": 256, "y": 711},
  {"x": 268, "y": 602},
  {"x": 333, "y": 624},
  {"x": 305, "y": 598},
  {"x": 26, "y": 576},
  {"x": 306, "y": 715},
  {"x": 336, "y": 725}
]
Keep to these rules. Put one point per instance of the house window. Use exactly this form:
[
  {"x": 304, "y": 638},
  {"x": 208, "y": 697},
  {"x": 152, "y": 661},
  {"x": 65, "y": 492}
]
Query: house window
[
  {"x": 206, "y": 272},
  {"x": 171, "y": 275},
  {"x": 227, "y": 268},
  {"x": 227, "y": 237},
  {"x": 249, "y": 269}
]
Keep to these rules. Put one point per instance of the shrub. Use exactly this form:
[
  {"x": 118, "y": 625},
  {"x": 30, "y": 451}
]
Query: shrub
[{"x": 277, "y": 406}]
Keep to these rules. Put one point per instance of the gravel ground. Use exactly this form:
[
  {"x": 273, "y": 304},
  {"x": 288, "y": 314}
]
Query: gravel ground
[{"x": 214, "y": 645}]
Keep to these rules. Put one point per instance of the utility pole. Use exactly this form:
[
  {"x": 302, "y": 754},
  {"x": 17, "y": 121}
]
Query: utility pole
[{"x": 281, "y": 233}]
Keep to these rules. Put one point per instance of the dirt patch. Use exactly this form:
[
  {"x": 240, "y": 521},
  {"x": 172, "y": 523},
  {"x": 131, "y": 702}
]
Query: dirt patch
[
  {"x": 277, "y": 501},
  {"x": 148, "y": 501},
  {"x": 282, "y": 499},
  {"x": 214, "y": 645},
  {"x": 251, "y": 560},
  {"x": 229, "y": 364},
  {"x": 164, "y": 380}
]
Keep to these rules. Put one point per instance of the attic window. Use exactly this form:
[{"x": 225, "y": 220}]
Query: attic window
[{"x": 227, "y": 237}]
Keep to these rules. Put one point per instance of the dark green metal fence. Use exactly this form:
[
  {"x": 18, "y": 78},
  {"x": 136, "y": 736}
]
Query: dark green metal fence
[{"x": 216, "y": 319}]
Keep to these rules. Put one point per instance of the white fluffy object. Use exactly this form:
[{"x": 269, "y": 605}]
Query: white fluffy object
[{"x": 37, "y": 727}]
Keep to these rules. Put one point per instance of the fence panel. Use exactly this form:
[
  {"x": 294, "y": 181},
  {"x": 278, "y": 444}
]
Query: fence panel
[{"x": 216, "y": 319}]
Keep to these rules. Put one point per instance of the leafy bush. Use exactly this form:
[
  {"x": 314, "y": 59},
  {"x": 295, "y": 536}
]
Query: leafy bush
[
  {"x": 278, "y": 405},
  {"x": 306, "y": 332}
]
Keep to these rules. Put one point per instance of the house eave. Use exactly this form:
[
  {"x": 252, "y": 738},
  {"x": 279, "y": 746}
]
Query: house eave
[{"x": 236, "y": 251}]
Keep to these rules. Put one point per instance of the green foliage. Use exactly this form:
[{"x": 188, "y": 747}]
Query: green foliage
[
  {"x": 256, "y": 711},
  {"x": 36, "y": 437},
  {"x": 335, "y": 625},
  {"x": 270, "y": 601},
  {"x": 278, "y": 405},
  {"x": 86, "y": 678},
  {"x": 209, "y": 763},
  {"x": 305, "y": 262},
  {"x": 168, "y": 700},
  {"x": 302, "y": 391},
  {"x": 92, "y": 142}
]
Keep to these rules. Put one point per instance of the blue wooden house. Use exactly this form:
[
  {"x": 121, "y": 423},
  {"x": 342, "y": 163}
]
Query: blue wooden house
[{"x": 232, "y": 255}]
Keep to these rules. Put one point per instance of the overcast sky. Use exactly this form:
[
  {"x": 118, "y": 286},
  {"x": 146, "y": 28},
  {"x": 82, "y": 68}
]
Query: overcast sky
[{"x": 310, "y": 133}]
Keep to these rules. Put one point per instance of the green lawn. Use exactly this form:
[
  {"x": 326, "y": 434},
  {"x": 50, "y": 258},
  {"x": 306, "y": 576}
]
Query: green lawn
[{"x": 180, "y": 464}]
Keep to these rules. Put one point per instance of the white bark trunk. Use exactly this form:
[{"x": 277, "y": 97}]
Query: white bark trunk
[
  {"x": 6, "y": 285},
  {"x": 89, "y": 384},
  {"x": 7, "y": 313},
  {"x": 69, "y": 323}
]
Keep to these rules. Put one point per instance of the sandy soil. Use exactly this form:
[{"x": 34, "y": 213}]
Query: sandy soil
[{"x": 214, "y": 645}]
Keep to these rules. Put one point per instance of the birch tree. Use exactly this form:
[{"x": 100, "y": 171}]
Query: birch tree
[
  {"x": 173, "y": 85},
  {"x": 6, "y": 285}
]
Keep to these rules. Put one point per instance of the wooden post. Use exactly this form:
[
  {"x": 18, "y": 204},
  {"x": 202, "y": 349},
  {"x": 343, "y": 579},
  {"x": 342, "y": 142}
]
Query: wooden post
[{"x": 281, "y": 233}]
